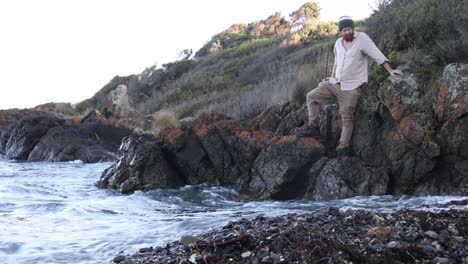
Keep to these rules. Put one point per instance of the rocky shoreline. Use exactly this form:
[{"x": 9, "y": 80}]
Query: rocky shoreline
[
  {"x": 37, "y": 135},
  {"x": 329, "y": 236},
  {"x": 407, "y": 143}
]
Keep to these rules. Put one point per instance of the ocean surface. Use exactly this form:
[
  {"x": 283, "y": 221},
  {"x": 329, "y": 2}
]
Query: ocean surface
[{"x": 53, "y": 213}]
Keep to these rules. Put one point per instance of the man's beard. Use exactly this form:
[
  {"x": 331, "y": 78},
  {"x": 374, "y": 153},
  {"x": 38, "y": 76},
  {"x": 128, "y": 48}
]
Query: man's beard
[{"x": 348, "y": 37}]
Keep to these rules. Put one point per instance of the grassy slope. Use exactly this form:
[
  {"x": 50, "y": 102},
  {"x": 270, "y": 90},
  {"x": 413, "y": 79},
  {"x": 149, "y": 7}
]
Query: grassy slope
[{"x": 254, "y": 70}]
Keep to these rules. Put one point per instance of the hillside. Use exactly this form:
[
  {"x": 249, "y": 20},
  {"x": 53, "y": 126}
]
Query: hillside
[{"x": 246, "y": 68}]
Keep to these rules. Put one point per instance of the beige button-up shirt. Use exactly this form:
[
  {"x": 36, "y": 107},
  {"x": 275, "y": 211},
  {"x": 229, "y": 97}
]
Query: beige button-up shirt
[{"x": 351, "y": 63}]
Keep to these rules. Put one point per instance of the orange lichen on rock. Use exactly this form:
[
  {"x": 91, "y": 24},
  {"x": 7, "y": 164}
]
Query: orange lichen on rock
[
  {"x": 412, "y": 128},
  {"x": 172, "y": 134},
  {"x": 258, "y": 138},
  {"x": 202, "y": 132},
  {"x": 76, "y": 120},
  {"x": 284, "y": 139},
  {"x": 313, "y": 144}
]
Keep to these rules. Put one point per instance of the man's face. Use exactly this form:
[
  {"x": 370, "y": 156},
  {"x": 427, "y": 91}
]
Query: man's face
[{"x": 347, "y": 33}]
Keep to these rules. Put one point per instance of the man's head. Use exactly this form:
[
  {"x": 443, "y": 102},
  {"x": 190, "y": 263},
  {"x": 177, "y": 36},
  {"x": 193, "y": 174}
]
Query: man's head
[{"x": 346, "y": 27}]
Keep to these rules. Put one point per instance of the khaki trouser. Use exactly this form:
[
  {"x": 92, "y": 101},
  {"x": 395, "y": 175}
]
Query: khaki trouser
[{"x": 347, "y": 100}]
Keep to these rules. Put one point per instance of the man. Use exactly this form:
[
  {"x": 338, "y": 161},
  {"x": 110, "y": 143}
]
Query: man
[{"x": 349, "y": 74}]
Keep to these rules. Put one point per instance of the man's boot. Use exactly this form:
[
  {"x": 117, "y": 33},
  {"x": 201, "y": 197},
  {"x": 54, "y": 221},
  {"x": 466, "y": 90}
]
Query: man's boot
[{"x": 344, "y": 152}]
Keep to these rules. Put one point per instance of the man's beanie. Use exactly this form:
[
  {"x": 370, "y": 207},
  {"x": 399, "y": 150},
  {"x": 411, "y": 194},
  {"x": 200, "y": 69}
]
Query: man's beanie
[{"x": 344, "y": 22}]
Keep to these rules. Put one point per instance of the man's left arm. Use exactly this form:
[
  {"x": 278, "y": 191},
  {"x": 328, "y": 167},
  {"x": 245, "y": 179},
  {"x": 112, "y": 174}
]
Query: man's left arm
[{"x": 371, "y": 50}]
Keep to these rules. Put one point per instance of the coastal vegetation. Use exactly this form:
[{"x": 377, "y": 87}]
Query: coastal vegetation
[{"x": 248, "y": 67}]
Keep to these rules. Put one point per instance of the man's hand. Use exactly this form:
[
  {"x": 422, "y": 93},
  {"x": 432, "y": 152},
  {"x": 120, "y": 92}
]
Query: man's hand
[
  {"x": 331, "y": 80},
  {"x": 395, "y": 72}
]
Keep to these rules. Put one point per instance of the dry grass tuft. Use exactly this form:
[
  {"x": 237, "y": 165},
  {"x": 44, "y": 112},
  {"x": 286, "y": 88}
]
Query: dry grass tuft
[{"x": 164, "y": 119}]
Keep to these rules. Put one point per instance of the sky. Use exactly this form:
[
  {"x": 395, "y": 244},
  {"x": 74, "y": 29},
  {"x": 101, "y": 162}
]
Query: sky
[{"x": 66, "y": 50}]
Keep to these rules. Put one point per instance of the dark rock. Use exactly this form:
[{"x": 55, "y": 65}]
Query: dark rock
[
  {"x": 271, "y": 118},
  {"x": 186, "y": 152},
  {"x": 452, "y": 98},
  {"x": 295, "y": 118},
  {"x": 46, "y": 136},
  {"x": 21, "y": 137},
  {"x": 232, "y": 150},
  {"x": 412, "y": 127},
  {"x": 349, "y": 177},
  {"x": 432, "y": 234},
  {"x": 119, "y": 259},
  {"x": 72, "y": 143},
  {"x": 143, "y": 250},
  {"x": 439, "y": 260},
  {"x": 283, "y": 166},
  {"x": 400, "y": 95},
  {"x": 142, "y": 166},
  {"x": 338, "y": 238},
  {"x": 314, "y": 173}
]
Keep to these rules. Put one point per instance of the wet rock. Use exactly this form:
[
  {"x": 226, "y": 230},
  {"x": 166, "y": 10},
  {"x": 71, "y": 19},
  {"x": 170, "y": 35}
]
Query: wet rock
[
  {"x": 432, "y": 234},
  {"x": 232, "y": 149},
  {"x": 335, "y": 238},
  {"x": 439, "y": 260},
  {"x": 47, "y": 136},
  {"x": 119, "y": 259},
  {"x": 392, "y": 244},
  {"x": 283, "y": 166},
  {"x": 75, "y": 143},
  {"x": 246, "y": 254},
  {"x": 349, "y": 177},
  {"x": 453, "y": 229},
  {"x": 144, "y": 250},
  {"x": 188, "y": 155},
  {"x": 142, "y": 166},
  {"x": 187, "y": 240},
  {"x": 431, "y": 149},
  {"x": 334, "y": 211},
  {"x": 428, "y": 250},
  {"x": 20, "y": 138}
]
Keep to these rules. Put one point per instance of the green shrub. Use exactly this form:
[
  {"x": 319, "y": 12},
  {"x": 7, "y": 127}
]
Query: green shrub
[
  {"x": 323, "y": 30},
  {"x": 377, "y": 73},
  {"x": 85, "y": 105},
  {"x": 437, "y": 27}
]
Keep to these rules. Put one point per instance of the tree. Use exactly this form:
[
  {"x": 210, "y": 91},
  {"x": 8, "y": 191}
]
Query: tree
[
  {"x": 185, "y": 54},
  {"x": 306, "y": 15}
]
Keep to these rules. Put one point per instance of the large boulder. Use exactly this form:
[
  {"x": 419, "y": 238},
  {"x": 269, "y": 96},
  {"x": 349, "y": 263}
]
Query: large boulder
[
  {"x": 142, "y": 166},
  {"x": 451, "y": 102},
  {"x": 117, "y": 103},
  {"x": 348, "y": 177},
  {"x": 47, "y": 136},
  {"x": 185, "y": 150},
  {"x": 19, "y": 139},
  {"x": 280, "y": 172},
  {"x": 232, "y": 151},
  {"x": 400, "y": 95},
  {"x": 65, "y": 143},
  {"x": 451, "y": 111}
]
